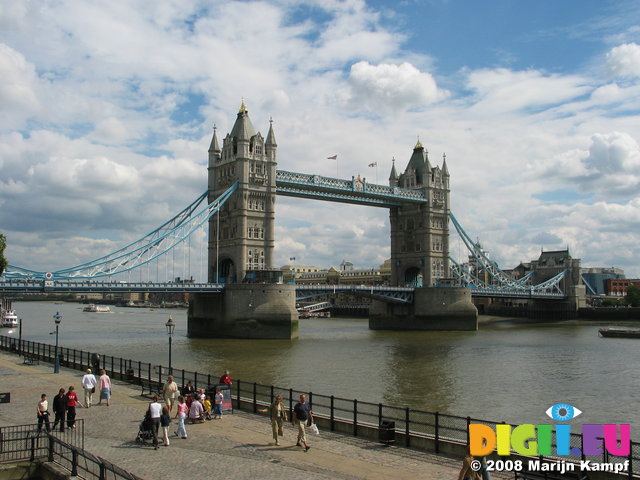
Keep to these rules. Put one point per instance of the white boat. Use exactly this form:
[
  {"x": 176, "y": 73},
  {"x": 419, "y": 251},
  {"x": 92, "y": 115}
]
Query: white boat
[
  {"x": 8, "y": 316},
  {"x": 97, "y": 308}
]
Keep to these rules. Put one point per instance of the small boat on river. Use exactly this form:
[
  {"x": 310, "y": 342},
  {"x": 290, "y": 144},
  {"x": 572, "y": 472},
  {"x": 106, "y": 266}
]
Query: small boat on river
[
  {"x": 8, "y": 316},
  {"x": 620, "y": 332},
  {"x": 97, "y": 308}
]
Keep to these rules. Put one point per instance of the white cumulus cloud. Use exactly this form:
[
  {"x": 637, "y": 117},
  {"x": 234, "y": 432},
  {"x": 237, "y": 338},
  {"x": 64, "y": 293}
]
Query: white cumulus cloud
[
  {"x": 17, "y": 87},
  {"x": 624, "y": 60},
  {"x": 389, "y": 86}
]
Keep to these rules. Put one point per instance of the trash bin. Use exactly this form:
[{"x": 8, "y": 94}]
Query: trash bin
[{"x": 387, "y": 432}]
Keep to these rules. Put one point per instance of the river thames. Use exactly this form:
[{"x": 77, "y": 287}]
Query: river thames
[{"x": 503, "y": 372}]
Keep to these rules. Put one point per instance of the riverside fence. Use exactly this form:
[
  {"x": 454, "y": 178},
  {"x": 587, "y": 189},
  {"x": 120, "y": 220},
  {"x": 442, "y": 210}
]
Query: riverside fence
[
  {"x": 64, "y": 449},
  {"x": 419, "y": 429}
]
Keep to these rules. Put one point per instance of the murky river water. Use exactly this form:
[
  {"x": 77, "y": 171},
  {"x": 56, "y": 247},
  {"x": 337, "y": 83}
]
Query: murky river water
[{"x": 504, "y": 371}]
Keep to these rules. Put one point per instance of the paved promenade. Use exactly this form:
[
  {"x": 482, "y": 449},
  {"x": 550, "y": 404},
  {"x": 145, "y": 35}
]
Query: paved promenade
[{"x": 237, "y": 447}]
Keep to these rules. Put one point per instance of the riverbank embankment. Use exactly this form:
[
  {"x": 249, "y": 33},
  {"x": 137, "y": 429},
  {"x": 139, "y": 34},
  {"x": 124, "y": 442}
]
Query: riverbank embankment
[{"x": 239, "y": 446}]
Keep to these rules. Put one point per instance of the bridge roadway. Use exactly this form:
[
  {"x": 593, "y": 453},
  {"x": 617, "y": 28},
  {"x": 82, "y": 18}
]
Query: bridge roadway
[{"x": 303, "y": 292}]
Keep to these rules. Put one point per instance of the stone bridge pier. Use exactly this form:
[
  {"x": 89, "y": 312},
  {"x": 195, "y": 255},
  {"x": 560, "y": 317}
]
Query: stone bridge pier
[
  {"x": 253, "y": 310},
  {"x": 433, "y": 308}
]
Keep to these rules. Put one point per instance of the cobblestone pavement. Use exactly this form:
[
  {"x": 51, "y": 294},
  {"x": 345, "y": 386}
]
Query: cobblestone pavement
[{"x": 239, "y": 446}]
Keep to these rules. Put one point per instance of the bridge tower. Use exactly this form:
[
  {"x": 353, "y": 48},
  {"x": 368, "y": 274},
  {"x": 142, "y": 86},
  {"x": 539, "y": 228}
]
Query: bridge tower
[
  {"x": 420, "y": 255},
  {"x": 255, "y": 303},
  {"x": 241, "y": 239},
  {"x": 420, "y": 233}
]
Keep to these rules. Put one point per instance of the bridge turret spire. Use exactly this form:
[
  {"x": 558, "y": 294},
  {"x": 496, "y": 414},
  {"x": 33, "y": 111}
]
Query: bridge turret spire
[
  {"x": 214, "y": 154},
  {"x": 393, "y": 177},
  {"x": 215, "y": 146},
  {"x": 445, "y": 170},
  {"x": 271, "y": 137}
]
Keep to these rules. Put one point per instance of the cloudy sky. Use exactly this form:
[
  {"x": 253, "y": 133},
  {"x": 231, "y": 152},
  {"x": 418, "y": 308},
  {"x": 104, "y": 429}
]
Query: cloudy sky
[{"x": 107, "y": 109}]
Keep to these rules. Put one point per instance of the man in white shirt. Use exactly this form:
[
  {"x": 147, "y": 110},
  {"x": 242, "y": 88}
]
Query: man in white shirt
[
  {"x": 89, "y": 383},
  {"x": 155, "y": 410}
]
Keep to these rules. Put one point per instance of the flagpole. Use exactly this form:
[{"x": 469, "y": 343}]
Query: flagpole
[
  {"x": 335, "y": 157},
  {"x": 375, "y": 165}
]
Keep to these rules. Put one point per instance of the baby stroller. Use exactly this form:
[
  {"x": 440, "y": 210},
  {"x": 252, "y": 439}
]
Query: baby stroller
[{"x": 145, "y": 432}]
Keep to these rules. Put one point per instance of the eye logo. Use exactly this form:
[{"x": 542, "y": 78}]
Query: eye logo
[{"x": 561, "y": 412}]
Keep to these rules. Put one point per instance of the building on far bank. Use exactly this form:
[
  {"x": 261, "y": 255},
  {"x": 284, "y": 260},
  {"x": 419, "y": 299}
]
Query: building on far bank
[
  {"x": 596, "y": 279},
  {"x": 617, "y": 287},
  {"x": 346, "y": 274}
]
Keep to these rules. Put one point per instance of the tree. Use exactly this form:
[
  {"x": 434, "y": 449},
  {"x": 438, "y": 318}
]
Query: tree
[
  {"x": 3, "y": 261},
  {"x": 633, "y": 295}
]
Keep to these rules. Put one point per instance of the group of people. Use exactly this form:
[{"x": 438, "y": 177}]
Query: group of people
[
  {"x": 65, "y": 402},
  {"x": 194, "y": 405},
  {"x": 190, "y": 404}
]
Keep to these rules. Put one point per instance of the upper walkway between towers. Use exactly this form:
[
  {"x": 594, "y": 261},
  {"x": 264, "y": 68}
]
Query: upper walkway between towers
[{"x": 239, "y": 446}]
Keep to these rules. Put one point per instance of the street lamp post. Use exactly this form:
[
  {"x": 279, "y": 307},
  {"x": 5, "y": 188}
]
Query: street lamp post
[
  {"x": 56, "y": 362},
  {"x": 171, "y": 326},
  {"x": 20, "y": 338}
]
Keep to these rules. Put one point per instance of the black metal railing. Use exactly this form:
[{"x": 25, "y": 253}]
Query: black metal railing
[
  {"x": 416, "y": 428},
  {"x": 26, "y": 442},
  {"x": 65, "y": 449},
  {"x": 83, "y": 464}
]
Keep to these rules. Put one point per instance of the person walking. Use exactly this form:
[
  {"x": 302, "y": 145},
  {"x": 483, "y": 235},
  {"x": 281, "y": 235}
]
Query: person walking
[
  {"x": 301, "y": 414},
  {"x": 278, "y": 416},
  {"x": 72, "y": 402},
  {"x": 181, "y": 414},
  {"x": 170, "y": 392},
  {"x": 43, "y": 413},
  {"x": 105, "y": 387},
  {"x": 165, "y": 421},
  {"x": 89, "y": 383},
  {"x": 155, "y": 410},
  {"x": 60, "y": 409}
]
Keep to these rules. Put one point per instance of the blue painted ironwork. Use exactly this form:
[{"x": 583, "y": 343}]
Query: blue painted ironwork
[
  {"x": 76, "y": 286},
  {"x": 548, "y": 289},
  {"x": 588, "y": 285},
  {"x": 466, "y": 278},
  {"x": 144, "y": 250},
  {"x": 488, "y": 265},
  {"x": 356, "y": 190}
]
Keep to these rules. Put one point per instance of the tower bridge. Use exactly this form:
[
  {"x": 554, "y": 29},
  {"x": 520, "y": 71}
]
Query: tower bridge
[{"x": 244, "y": 296}]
